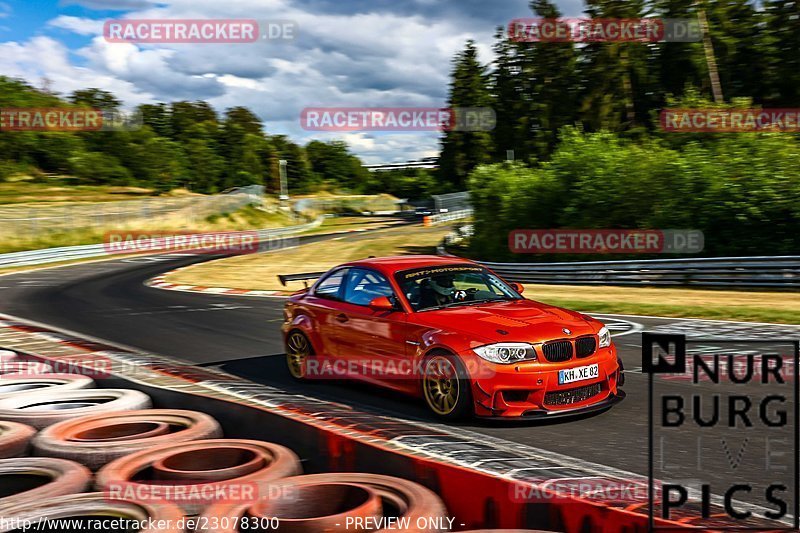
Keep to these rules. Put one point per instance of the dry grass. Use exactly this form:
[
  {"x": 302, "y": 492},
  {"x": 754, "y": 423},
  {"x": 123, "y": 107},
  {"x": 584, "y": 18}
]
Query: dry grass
[
  {"x": 259, "y": 272},
  {"x": 50, "y": 237},
  {"x": 25, "y": 193}
]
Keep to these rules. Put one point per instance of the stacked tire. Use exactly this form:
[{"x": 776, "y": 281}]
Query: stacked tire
[
  {"x": 333, "y": 502},
  {"x": 72, "y": 429}
]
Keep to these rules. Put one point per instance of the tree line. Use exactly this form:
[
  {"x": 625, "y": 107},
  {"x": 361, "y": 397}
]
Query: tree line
[
  {"x": 582, "y": 121},
  {"x": 180, "y": 144}
]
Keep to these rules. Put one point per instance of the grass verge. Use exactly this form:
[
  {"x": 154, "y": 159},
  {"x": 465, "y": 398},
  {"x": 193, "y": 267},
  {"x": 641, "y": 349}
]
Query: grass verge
[{"x": 260, "y": 272}]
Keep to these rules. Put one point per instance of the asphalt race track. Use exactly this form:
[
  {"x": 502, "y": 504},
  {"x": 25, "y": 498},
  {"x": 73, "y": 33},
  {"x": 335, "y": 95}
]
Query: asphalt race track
[{"x": 109, "y": 300}]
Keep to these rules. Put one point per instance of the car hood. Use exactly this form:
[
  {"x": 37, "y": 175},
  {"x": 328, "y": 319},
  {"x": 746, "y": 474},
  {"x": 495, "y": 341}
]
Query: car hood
[{"x": 511, "y": 321}]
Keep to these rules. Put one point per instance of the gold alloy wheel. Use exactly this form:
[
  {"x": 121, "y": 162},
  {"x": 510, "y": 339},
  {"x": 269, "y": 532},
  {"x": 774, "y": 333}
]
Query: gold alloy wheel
[
  {"x": 441, "y": 385},
  {"x": 297, "y": 351}
]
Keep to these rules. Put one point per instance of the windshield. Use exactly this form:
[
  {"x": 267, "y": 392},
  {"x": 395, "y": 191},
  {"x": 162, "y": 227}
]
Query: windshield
[{"x": 452, "y": 285}]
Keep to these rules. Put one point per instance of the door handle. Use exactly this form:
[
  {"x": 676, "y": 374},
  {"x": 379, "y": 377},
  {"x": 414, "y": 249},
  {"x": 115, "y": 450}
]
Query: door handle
[{"x": 341, "y": 317}]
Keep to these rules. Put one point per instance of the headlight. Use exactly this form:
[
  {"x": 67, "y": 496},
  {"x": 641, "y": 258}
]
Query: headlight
[
  {"x": 506, "y": 352},
  {"x": 605, "y": 337}
]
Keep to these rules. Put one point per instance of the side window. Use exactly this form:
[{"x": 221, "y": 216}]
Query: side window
[
  {"x": 363, "y": 286},
  {"x": 331, "y": 286}
]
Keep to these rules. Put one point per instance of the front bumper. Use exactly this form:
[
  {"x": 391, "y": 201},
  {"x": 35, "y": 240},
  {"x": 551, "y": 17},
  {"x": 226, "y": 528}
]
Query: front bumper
[{"x": 531, "y": 390}]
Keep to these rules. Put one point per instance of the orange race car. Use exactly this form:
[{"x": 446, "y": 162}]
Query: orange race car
[{"x": 453, "y": 332}]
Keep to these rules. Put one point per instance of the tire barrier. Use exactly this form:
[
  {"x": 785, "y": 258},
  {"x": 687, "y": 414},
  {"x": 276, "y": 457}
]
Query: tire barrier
[
  {"x": 86, "y": 509},
  {"x": 38, "y": 479},
  {"x": 324, "y": 502},
  {"x": 14, "y": 386},
  {"x": 41, "y": 409},
  {"x": 14, "y": 439},
  {"x": 234, "y": 470},
  {"x": 96, "y": 440}
]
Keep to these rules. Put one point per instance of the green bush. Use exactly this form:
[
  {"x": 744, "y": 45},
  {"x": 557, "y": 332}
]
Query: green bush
[{"x": 741, "y": 190}]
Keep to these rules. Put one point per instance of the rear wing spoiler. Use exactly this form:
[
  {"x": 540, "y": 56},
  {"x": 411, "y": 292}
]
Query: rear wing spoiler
[{"x": 283, "y": 278}]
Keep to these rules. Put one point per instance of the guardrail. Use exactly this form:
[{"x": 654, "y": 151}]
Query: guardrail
[
  {"x": 89, "y": 251},
  {"x": 746, "y": 272}
]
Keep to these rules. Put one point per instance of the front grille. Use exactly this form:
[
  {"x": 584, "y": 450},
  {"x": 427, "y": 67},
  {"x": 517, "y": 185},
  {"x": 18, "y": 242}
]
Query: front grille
[
  {"x": 557, "y": 351},
  {"x": 566, "y": 397},
  {"x": 585, "y": 346}
]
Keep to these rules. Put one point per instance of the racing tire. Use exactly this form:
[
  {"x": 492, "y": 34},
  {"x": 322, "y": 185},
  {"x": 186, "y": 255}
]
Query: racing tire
[
  {"x": 93, "y": 507},
  {"x": 42, "y": 409},
  {"x": 96, "y": 440},
  {"x": 15, "y": 386},
  {"x": 446, "y": 387},
  {"x": 298, "y": 349},
  {"x": 399, "y": 497},
  {"x": 33, "y": 480},
  {"x": 14, "y": 439},
  {"x": 216, "y": 464}
]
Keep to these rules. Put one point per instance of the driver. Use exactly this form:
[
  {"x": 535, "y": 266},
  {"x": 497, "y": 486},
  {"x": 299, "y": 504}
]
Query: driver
[{"x": 437, "y": 290}]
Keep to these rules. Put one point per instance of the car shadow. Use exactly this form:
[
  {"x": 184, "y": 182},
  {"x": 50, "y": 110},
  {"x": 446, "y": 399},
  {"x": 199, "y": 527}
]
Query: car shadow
[{"x": 271, "y": 370}]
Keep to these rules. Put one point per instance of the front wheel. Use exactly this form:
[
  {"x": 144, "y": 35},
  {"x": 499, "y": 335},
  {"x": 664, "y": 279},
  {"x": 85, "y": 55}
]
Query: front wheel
[
  {"x": 445, "y": 386},
  {"x": 298, "y": 350}
]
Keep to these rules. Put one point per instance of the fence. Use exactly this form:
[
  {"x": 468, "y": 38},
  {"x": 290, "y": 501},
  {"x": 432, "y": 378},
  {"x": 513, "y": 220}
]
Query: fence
[
  {"x": 740, "y": 272},
  {"x": 448, "y": 217},
  {"x": 455, "y": 201},
  {"x": 69, "y": 253},
  {"x": 31, "y": 222},
  {"x": 364, "y": 204}
]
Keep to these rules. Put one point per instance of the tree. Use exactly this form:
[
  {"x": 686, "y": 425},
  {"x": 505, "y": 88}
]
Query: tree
[
  {"x": 678, "y": 65},
  {"x": 299, "y": 174},
  {"x": 781, "y": 48},
  {"x": 736, "y": 34},
  {"x": 614, "y": 75},
  {"x": 157, "y": 117},
  {"x": 96, "y": 99},
  {"x": 332, "y": 163},
  {"x": 462, "y": 151},
  {"x": 96, "y": 168}
]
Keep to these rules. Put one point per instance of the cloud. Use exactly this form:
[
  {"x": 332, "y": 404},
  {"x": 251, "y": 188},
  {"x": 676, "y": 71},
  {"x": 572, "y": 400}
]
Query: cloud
[
  {"x": 43, "y": 57},
  {"x": 5, "y": 10},
  {"x": 366, "y": 53},
  {"x": 79, "y": 25}
]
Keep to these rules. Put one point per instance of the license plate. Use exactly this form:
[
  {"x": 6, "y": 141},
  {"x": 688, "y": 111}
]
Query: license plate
[{"x": 580, "y": 373}]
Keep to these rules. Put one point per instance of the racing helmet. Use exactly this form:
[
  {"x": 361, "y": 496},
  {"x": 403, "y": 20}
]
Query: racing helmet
[{"x": 443, "y": 284}]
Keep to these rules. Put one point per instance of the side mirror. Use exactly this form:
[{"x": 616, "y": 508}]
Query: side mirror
[
  {"x": 518, "y": 287},
  {"x": 381, "y": 303}
]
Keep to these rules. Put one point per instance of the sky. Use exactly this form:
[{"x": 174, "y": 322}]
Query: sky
[{"x": 347, "y": 53}]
